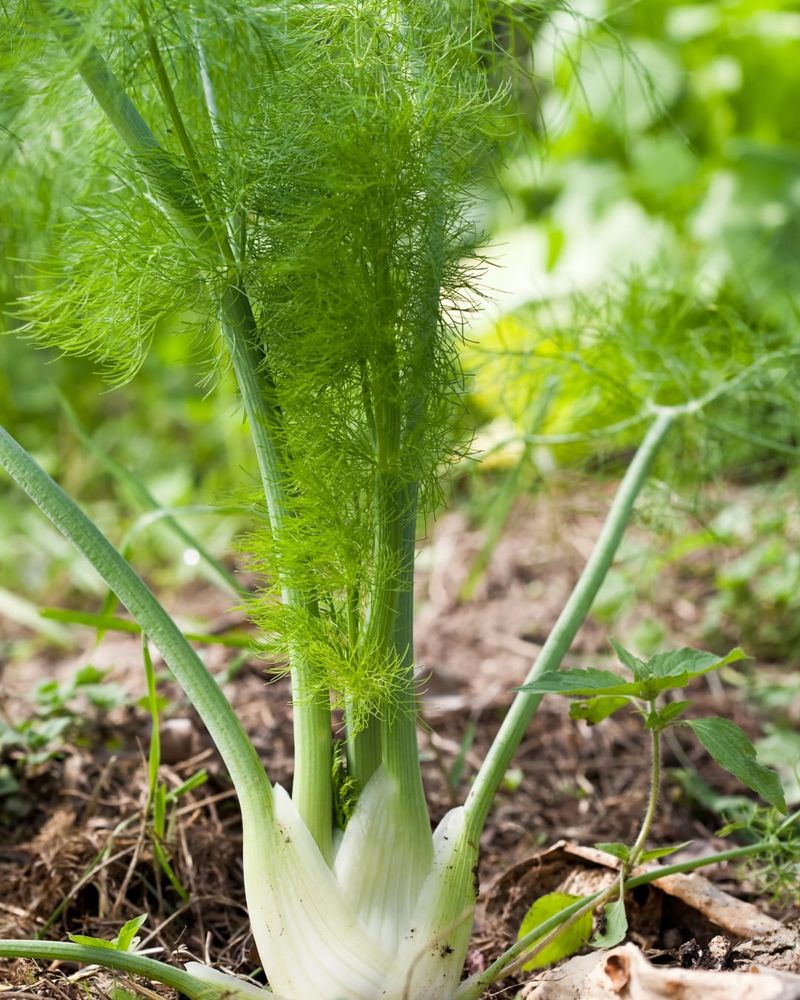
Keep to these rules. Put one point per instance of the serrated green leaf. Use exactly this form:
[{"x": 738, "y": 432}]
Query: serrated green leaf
[
  {"x": 582, "y": 683},
  {"x": 676, "y": 668},
  {"x": 127, "y": 933},
  {"x": 567, "y": 943},
  {"x": 640, "y": 670},
  {"x": 733, "y": 751},
  {"x": 596, "y": 709},
  {"x": 618, "y": 850},
  {"x": 616, "y": 926},
  {"x": 662, "y": 852},
  {"x": 662, "y": 717},
  {"x": 692, "y": 662}
]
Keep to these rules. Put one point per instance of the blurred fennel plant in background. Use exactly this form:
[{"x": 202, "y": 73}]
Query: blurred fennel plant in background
[{"x": 668, "y": 202}]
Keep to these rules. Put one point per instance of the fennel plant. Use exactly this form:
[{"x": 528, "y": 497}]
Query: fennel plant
[{"x": 291, "y": 182}]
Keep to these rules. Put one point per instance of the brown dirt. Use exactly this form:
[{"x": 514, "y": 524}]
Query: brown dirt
[{"x": 80, "y": 859}]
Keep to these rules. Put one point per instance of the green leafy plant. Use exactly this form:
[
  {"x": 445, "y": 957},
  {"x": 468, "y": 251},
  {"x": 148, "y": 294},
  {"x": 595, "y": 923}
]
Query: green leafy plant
[
  {"x": 59, "y": 713},
  {"x": 599, "y": 694},
  {"x": 54, "y": 698},
  {"x": 302, "y": 207},
  {"x": 125, "y": 939}
]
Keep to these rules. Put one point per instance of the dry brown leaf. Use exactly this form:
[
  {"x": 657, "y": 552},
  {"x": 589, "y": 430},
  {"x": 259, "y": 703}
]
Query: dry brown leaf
[
  {"x": 624, "y": 972},
  {"x": 734, "y": 916}
]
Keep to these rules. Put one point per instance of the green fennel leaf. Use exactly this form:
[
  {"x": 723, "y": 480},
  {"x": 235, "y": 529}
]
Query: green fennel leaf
[{"x": 733, "y": 751}]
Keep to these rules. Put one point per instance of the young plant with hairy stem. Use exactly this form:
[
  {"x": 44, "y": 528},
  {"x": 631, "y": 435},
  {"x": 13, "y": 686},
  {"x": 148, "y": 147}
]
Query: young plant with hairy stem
[
  {"x": 600, "y": 694},
  {"x": 310, "y": 209}
]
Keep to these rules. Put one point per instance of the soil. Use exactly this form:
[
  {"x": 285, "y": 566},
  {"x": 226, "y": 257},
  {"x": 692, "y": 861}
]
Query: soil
[{"x": 76, "y": 855}]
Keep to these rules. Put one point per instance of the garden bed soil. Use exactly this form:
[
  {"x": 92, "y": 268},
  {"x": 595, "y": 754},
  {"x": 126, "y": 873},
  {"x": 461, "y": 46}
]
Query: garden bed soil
[{"x": 75, "y": 850}]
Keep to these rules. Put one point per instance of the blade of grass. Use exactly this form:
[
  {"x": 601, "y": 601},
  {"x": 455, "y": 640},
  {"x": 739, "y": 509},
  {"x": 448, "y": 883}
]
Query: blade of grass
[
  {"x": 124, "y": 961},
  {"x": 140, "y": 493},
  {"x": 157, "y": 792},
  {"x": 109, "y": 623},
  {"x": 25, "y": 613}
]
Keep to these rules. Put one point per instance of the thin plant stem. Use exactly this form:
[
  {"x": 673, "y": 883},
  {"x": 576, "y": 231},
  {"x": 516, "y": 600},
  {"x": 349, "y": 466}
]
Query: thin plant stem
[
  {"x": 235, "y": 220},
  {"x": 652, "y": 801},
  {"x": 626, "y": 867},
  {"x": 525, "y": 704},
  {"x": 167, "y": 93}
]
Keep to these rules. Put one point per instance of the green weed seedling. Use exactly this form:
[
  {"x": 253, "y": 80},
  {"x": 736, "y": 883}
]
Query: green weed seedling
[
  {"x": 59, "y": 714},
  {"x": 160, "y": 798},
  {"x": 294, "y": 183},
  {"x": 53, "y": 698},
  {"x": 125, "y": 940},
  {"x": 597, "y": 695}
]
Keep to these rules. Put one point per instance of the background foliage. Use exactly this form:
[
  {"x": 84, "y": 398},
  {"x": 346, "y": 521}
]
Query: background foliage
[{"x": 648, "y": 236}]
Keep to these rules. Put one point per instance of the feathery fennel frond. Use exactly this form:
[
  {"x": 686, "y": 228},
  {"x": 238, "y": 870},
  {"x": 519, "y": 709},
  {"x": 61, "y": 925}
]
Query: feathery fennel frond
[
  {"x": 310, "y": 196},
  {"x": 117, "y": 276},
  {"x": 355, "y": 187},
  {"x": 310, "y": 201}
]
